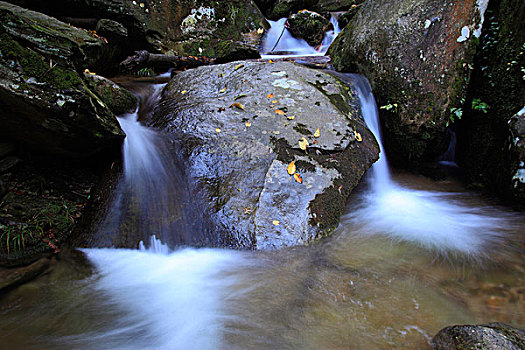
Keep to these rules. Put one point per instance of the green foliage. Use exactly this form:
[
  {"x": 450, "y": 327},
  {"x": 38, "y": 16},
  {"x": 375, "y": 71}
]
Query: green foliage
[
  {"x": 390, "y": 107},
  {"x": 478, "y": 105},
  {"x": 146, "y": 72}
]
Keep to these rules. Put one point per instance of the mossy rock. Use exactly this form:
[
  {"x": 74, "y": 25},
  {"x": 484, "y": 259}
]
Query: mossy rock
[
  {"x": 46, "y": 103},
  {"x": 118, "y": 99},
  {"x": 309, "y": 26},
  {"x": 415, "y": 57}
]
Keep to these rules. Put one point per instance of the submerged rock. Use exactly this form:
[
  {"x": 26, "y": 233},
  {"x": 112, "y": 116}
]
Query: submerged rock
[
  {"x": 45, "y": 102},
  {"x": 222, "y": 29},
  {"x": 493, "y": 336},
  {"x": 309, "y": 26},
  {"x": 418, "y": 56},
  {"x": 242, "y": 124}
]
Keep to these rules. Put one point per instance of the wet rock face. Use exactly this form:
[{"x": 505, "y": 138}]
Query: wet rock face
[
  {"x": 494, "y": 336},
  {"x": 418, "y": 56},
  {"x": 309, "y": 26},
  {"x": 220, "y": 29},
  {"x": 490, "y": 134},
  {"x": 242, "y": 124},
  {"x": 45, "y": 102}
]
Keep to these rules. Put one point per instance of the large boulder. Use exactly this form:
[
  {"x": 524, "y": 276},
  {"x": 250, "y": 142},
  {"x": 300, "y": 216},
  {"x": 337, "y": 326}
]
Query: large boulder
[
  {"x": 491, "y": 133},
  {"x": 222, "y": 29},
  {"x": 309, "y": 26},
  {"x": 45, "y": 101},
  {"x": 242, "y": 124},
  {"x": 418, "y": 56},
  {"x": 494, "y": 336},
  {"x": 283, "y": 8}
]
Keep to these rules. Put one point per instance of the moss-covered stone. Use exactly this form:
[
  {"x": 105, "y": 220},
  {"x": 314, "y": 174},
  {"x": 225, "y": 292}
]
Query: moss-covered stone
[
  {"x": 46, "y": 104},
  {"x": 309, "y": 26},
  {"x": 118, "y": 99},
  {"x": 413, "y": 54},
  {"x": 490, "y": 143}
]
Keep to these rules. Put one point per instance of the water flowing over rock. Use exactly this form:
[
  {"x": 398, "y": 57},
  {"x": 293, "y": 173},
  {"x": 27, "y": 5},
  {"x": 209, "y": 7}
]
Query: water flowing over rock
[
  {"x": 487, "y": 336},
  {"x": 418, "y": 56},
  {"x": 221, "y": 29},
  {"x": 242, "y": 124},
  {"x": 44, "y": 100},
  {"x": 309, "y": 26}
]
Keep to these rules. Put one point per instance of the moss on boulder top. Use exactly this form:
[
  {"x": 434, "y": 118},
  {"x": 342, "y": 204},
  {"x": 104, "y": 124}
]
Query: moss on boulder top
[{"x": 45, "y": 102}]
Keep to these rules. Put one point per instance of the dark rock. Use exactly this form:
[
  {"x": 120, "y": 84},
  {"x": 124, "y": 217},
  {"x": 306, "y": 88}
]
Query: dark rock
[
  {"x": 3, "y": 189},
  {"x": 6, "y": 149},
  {"x": 348, "y": 15},
  {"x": 45, "y": 102},
  {"x": 418, "y": 57},
  {"x": 494, "y": 336},
  {"x": 491, "y": 151},
  {"x": 283, "y": 8},
  {"x": 118, "y": 99},
  {"x": 12, "y": 277},
  {"x": 111, "y": 30},
  {"x": 239, "y": 148},
  {"x": 309, "y": 26},
  {"x": 203, "y": 27},
  {"x": 8, "y": 163}
]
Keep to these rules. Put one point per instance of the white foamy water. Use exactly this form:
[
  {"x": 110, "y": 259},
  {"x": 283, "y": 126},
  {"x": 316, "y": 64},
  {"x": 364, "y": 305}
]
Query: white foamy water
[
  {"x": 176, "y": 300},
  {"x": 430, "y": 219},
  {"x": 295, "y": 47}
]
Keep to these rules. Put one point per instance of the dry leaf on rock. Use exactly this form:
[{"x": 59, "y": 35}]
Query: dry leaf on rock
[
  {"x": 297, "y": 177},
  {"x": 280, "y": 112},
  {"x": 303, "y": 144},
  {"x": 291, "y": 168},
  {"x": 237, "y": 105},
  {"x": 317, "y": 133}
]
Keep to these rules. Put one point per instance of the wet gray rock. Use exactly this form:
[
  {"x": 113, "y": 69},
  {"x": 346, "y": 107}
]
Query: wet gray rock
[
  {"x": 309, "y": 26},
  {"x": 494, "y": 336},
  {"x": 45, "y": 102},
  {"x": 418, "y": 56},
  {"x": 111, "y": 30},
  {"x": 238, "y": 148}
]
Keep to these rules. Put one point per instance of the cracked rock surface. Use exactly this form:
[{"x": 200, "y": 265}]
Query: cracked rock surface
[{"x": 240, "y": 125}]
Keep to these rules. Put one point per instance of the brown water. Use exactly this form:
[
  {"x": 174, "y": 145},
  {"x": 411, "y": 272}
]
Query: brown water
[{"x": 349, "y": 291}]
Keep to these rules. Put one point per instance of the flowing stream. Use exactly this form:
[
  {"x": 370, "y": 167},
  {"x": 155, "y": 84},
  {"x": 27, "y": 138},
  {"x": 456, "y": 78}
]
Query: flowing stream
[{"x": 411, "y": 256}]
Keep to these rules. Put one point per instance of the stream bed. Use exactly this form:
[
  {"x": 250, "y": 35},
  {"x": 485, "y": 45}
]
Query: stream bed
[{"x": 349, "y": 291}]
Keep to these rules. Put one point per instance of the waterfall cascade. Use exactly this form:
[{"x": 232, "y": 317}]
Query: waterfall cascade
[
  {"x": 431, "y": 219},
  {"x": 279, "y": 39}
]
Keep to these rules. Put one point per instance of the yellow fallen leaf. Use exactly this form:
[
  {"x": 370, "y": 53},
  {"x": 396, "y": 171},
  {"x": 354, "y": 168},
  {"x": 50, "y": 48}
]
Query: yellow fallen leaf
[
  {"x": 358, "y": 136},
  {"x": 221, "y": 75},
  {"x": 237, "y": 105},
  {"x": 270, "y": 61},
  {"x": 269, "y": 96},
  {"x": 274, "y": 101},
  {"x": 291, "y": 168},
  {"x": 222, "y": 90},
  {"x": 239, "y": 66},
  {"x": 260, "y": 30},
  {"x": 278, "y": 111},
  {"x": 303, "y": 144},
  {"x": 275, "y": 222},
  {"x": 183, "y": 92},
  {"x": 317, "y": 133},
  {"x": 239, "y": 96},
  {"x": 290, "y": 117},
  {"x": 248, "y": 124},
  {"x": 218, "y": 130},
  {"x": 297, "y": 177}
]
